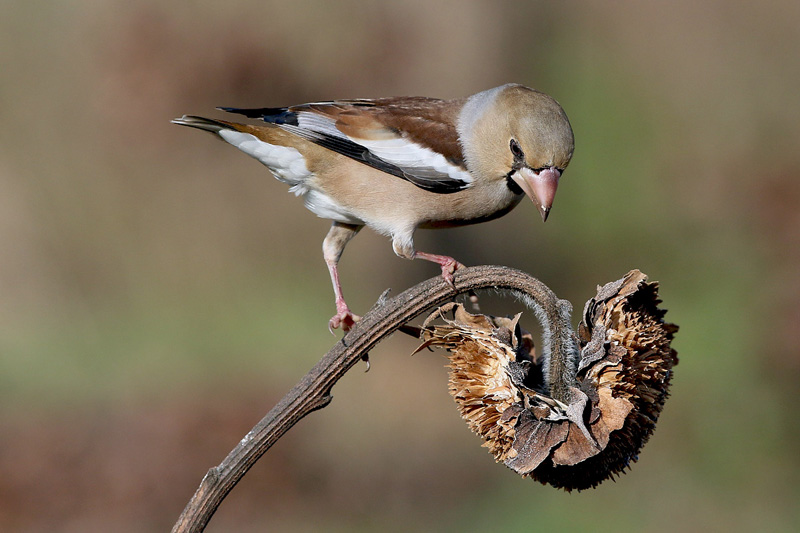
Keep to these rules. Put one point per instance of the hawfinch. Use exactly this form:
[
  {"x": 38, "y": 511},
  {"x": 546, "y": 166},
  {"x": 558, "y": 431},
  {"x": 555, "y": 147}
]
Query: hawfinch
[{"x": 402, "y": 163}]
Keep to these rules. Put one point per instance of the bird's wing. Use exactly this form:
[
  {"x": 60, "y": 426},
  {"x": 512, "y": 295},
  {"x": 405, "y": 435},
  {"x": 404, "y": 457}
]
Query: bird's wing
[{"x": 412, "y": 138}]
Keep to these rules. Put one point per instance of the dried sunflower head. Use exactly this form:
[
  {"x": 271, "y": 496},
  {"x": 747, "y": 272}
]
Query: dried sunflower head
[{"x": 570, "y": 420}]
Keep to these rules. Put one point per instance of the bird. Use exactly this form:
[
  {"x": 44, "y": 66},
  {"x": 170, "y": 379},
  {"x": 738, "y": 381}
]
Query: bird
[{"x": 397, "y": 164}]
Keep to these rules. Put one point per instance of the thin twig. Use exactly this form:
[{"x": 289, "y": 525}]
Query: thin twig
[{"x": 313, "y": 391}]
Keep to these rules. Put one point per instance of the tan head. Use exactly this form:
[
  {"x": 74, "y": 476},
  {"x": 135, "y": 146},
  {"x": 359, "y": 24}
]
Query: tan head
[{"x": 520, "y": 135}]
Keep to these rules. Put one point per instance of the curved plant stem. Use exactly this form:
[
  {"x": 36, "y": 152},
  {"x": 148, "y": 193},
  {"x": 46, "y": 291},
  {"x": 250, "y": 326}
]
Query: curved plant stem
[{"x": 313, "y": 391}]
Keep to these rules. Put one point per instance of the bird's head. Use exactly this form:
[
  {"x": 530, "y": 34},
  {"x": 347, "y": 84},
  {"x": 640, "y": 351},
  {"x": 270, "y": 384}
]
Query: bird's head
[{"x": 518, "y": 135}]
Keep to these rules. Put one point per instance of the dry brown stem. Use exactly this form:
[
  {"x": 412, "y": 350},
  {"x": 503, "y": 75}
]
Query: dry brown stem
[{"x": 313, "y": 391}]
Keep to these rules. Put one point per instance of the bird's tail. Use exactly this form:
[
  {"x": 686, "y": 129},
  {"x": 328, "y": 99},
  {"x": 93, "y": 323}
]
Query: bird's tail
[
  {"x": 201, "y": 123},
  {"x": 263, "y": 143}
]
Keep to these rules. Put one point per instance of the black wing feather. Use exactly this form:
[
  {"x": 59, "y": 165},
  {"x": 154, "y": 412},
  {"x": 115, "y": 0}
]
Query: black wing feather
[{"x": 273, "y": 115}]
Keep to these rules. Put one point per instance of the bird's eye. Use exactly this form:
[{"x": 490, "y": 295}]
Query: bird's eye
[{"x": 516, "y": 150}]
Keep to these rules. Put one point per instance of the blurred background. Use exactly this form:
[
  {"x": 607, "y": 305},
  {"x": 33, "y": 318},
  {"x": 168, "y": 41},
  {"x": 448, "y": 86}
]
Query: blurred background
[{"x": 160, "y": 291}]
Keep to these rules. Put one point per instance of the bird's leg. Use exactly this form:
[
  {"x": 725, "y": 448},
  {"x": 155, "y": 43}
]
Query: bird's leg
[
  {"x": 332, "y": 248},
  {"x": 448, "y": 264},
  {"x": 403, "y": 245}
]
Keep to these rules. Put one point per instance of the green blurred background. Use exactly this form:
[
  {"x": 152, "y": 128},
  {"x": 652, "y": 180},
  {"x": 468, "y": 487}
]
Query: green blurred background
[{"x": 159, "y": 291}]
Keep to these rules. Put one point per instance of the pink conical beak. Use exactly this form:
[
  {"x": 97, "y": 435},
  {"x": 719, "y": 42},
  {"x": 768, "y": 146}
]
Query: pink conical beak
[{"x": 539, "y": 186}]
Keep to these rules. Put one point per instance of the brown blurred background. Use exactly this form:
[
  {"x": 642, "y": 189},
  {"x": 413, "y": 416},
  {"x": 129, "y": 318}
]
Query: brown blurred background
[{"x": 159, "y": 291}]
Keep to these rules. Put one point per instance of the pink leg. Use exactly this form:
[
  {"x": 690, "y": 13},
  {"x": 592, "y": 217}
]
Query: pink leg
[
  {"x": 448, "y": 264},
  {"x": 332, "y": 247},
  {"x": 343, "y": 317}
]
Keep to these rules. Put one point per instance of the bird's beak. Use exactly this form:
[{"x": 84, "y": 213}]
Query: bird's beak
[{"x": 539, "y": 186}]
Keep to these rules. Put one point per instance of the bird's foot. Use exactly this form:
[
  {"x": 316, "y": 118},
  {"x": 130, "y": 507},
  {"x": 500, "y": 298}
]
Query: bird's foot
[
  {"x": 448, "y": 264},
  {"x": 343, "y": 318},
  {"x": 448, "y": 269}
]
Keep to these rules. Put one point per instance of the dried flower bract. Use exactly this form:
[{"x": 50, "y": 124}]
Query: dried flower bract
[{"x": 568, "y": 427}]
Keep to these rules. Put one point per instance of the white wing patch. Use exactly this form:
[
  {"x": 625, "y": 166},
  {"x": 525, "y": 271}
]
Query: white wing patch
[
  {"x": 399, "y": 151},
  {"x": 309, "y": 120},
  {"x": 286, "y": 163},
  {"x": 414, "y": 158}
]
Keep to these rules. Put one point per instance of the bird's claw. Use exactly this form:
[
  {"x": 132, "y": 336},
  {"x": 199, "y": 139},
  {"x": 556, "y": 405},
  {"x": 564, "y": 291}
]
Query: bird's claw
[
  {"x": 448, "y": 269},
  {"x": 344, "y": 319}
]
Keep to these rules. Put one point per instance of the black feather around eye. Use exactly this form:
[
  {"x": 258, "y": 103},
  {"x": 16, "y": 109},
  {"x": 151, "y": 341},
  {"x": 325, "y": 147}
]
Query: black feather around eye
[{"x": 516, "y": 149}]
